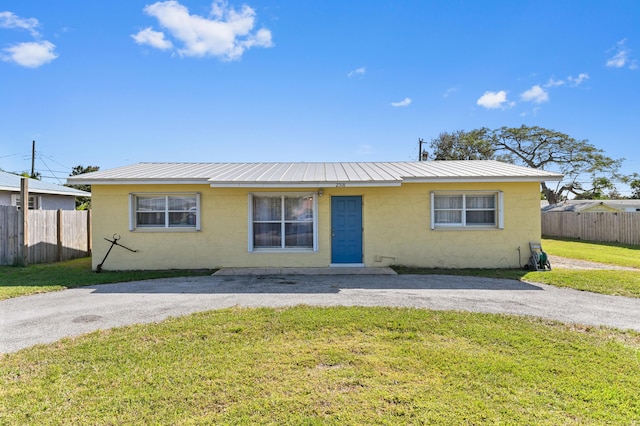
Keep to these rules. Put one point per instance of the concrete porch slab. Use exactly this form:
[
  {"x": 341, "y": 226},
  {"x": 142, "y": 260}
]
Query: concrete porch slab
[{"x": 306, "y": 271}]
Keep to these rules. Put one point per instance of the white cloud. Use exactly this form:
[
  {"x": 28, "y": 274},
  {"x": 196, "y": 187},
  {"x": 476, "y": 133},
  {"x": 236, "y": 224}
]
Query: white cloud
[
  {"x": 618, "y": 60},
  {"x": 493, "y": 100},
  {"x": 554, "y": 83},
  {"x": 622, "y": 57},
  {"x": 227, "y": 33},
  {"x": 403, "y": 103},
  {"x": 152, "y": 38},
  {"x": 28, "y": 54},
  {"x": 357, "y": 71},
  {"x": 536, "y": 95},
  {"x": 581, "y": 78},
  {"x": 11, "y": 20},
  {"x": 31, "y": 54},
  {"x": 449, "y": 91}
]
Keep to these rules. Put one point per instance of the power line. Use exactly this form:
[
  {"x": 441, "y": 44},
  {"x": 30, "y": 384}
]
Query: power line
[
  {"x": 24, "y": 156},
  {"x": 58, "y": 163},
  {"x": 50, "y": 171},
  {"x": 35, "y": 154}
]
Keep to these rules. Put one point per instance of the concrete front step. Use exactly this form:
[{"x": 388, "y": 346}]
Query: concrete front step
[{"x": 306, "y": 271}]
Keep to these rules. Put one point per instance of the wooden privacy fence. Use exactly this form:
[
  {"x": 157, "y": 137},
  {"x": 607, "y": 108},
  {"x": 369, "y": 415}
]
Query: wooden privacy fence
[
  {"x": 53, "y": 235},
  {"x": 620, "y": 227}
]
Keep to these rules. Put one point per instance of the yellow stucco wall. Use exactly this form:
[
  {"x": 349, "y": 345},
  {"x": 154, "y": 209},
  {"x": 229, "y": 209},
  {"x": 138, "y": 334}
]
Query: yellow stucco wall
[{"x": 396, "y": 230}]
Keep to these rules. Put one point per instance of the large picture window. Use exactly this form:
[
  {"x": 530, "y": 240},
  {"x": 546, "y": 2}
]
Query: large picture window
[
  {"x": 165, "y": 211},
  {"x": 282, "y": 221},
  {"x": 466, "y": 210}
]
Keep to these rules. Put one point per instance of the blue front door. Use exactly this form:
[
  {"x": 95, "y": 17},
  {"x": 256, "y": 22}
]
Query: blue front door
[{"x": 346, "y": 229}]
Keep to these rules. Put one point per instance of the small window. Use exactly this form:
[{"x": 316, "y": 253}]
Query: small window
[
  {"x": 466, "y": 210},
  {"x": 282, "y": 221},
  {"x": 179, "y": 211},
  {"x": 34, "y": 201}
]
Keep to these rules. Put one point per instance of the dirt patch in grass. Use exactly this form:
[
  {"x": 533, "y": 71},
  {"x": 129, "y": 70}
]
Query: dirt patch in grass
[{"x": 569, "y": 263}]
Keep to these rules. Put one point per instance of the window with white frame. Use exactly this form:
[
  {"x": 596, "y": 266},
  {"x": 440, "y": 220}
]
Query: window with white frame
[
  {"x": 282, "y": 221},
  {"x": 164, "y": 211},
  {"x": 467, "y": 209},
  {"x": 34, "y": 201}
]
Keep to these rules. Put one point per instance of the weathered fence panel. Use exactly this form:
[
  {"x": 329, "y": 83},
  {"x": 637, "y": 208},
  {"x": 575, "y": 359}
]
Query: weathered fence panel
[
  {"x": 620, "y": 227},
  {"x": 42, "y": 236},
  {"x": 9, "y": 240},
  {"x": 75, "y": 239},
  {"x": 54, "y": 235}
]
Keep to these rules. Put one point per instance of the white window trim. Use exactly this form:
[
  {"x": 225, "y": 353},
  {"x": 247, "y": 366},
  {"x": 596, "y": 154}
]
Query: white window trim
[
  {"x": 253, "y": 249},
  {"x": 37, "y": 201},
  {"x": 499, "y": 208},
  {"x": 166, "y": 228}
]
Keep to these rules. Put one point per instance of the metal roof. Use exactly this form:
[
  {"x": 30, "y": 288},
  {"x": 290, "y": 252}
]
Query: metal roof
[
  {"x": 280, "y": 175},
  {"x": 11, "y": 182},
  {"x": 580, "y": 205}
]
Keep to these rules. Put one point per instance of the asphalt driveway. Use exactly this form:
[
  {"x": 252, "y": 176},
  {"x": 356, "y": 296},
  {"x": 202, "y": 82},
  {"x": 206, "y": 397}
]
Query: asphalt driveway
[{"x": 44, "y": 318}]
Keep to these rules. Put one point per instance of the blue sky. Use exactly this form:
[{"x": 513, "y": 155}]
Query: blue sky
[{"x": 113, "y": 83}]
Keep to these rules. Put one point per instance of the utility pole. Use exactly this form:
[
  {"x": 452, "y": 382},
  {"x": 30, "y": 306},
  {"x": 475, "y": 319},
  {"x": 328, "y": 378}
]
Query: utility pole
[
  {"x": 23, "y": 225},
  {"x": 422, "y": 154},
  {"x": 33, "y": 160}
]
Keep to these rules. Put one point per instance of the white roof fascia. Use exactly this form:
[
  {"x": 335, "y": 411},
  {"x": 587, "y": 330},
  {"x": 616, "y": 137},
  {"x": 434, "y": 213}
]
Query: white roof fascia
[
  {"x": 141, "y": 182},
  {"x": 69, "y": 194},
  {"x": 47, "y": 191},
  {"x": 315, "y": 184},
  {"x": 470, "y": 179},
  {"x": 301, "y": 184}
]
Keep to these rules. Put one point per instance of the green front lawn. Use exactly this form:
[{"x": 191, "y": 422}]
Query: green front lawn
[
  {"x": 612, "y": 282},
  {"x": 609, "y": 253},
  {"x": 21, "y": 281},
  {"x": 308, "y": 365},
  {"x": 341, "y": 366}
]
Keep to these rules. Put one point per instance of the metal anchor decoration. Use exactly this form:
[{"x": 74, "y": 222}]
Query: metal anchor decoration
[{"x": 113, "y": 242}]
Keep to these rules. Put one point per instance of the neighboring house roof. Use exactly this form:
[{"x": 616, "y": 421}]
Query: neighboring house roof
[
  {"x": 586, "y": 205},
  {"x": 11, "y": 182},
  {"x": 315, "y": 174}
]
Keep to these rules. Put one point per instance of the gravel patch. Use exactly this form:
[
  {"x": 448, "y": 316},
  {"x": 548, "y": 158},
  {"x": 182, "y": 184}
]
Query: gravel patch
[{"x": 567, "y": 263}]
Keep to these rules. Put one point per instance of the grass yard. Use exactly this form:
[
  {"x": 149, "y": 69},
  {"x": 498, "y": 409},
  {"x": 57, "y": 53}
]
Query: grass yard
[
  {"x": 20, "y": 281},
  {"x": 611, "y": 282},
  {"x": 614, "y": 283},
  {"x": 348, "y": 365},
  {"x": 311, "y": 366},
  {"x": 610, "y": 253}
]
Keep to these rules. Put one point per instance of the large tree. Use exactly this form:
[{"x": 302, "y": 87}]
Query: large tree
[
  {"x": 83, "y": 203},
  {"x": 35, "y": 175},
  {"x": 462, "y": 145},
  {"x": 634, "y": 183},
  {"x": 547, "y": 149},
  {"x": 543, "y": 149}
]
